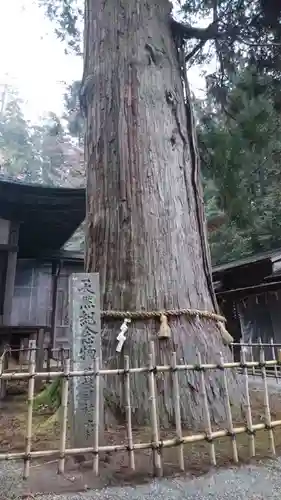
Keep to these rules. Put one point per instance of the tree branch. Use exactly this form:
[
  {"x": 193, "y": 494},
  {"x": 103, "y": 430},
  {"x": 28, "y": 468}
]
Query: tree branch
[
  {"x": 186, "y": 31},
  {"x": 217, "y": 46},
  {"x": 195, "y": 49}
]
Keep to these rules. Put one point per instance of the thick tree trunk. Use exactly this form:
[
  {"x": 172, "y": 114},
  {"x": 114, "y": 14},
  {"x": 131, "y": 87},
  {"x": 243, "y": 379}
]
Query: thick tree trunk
[{"x": 142, "y": 201}]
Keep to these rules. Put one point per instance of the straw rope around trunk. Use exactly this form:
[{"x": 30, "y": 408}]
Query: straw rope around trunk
[
  {"x": 51, "y": 394},
  {"x": 164, "y": 315}
]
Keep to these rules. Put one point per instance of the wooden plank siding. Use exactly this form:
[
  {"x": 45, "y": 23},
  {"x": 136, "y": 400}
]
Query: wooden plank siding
[
  {"x": 32, "y": 300},
  {"x": 260, "y": 317}
]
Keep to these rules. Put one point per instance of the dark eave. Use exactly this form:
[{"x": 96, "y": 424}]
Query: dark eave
[
  {"x": 253, "y": 275},
  {"x": 272, "y": 257},
  {"x": 48, "y": 216},
  {"x": 65, "y": 256}
]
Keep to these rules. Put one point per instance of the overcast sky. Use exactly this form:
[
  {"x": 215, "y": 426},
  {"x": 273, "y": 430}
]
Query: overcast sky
[{"x": 33, "y": 59}]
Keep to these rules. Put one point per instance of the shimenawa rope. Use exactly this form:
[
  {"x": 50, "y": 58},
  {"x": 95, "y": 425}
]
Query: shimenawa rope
[{"x": 165, "y": 331}]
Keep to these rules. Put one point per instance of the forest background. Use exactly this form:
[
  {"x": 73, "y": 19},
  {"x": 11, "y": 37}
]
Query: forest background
[{"x": 237, "y": 115}]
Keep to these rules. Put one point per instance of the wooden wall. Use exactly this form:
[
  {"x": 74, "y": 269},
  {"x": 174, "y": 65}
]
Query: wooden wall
[
  {"x": 9, "y": 235},
  {"x": 4, "y": 231},
  {"x": 260, "y": 316},
  {"x": 32, "y": 300}
]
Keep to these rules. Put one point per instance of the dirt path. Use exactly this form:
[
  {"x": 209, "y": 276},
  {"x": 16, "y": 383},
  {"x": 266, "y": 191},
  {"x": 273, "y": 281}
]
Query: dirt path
[{"x": 255, "y": 482}]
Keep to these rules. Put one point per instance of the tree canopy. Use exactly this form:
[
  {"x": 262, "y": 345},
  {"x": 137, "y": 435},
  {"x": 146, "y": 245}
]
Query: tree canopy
[
  {"x": 45, "y": 152},
  {"x": 236, "y": 31},
  {"x": 240, "y": 32},
  {"x": 238, "y": 121}
]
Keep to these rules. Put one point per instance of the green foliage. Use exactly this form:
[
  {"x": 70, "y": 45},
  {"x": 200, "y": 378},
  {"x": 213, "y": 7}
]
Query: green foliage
[
  {"x": 49, "y": 139},
  {"x": 42, "y": 153},
  {"x": 66, "y": 15},
  {"x": 243, "y": 31},
  {"x": 241, "y": 151},
  {"x": 50, "y": 396},
  {"x": 73, "y": 115},
  {"x": 239, "y": 130},
  {"x": 17, "y": 154},
  {"x": 45, "y": 153}
]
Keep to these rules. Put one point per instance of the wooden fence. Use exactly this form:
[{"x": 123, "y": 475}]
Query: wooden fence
[
  {"x": 252, "y": 352},
  {"x": 156, "y": 444}
]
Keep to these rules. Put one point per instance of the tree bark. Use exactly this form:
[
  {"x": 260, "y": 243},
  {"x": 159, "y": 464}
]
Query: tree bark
[{"x": 143, "y": 225}]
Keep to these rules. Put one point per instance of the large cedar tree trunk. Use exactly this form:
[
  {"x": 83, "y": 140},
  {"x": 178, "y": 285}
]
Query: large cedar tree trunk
[{"x": 143, "y": 222}]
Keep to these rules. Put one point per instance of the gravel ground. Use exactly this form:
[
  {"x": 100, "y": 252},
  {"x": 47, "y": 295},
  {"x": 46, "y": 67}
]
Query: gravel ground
[
  {"x": 273, "y": 385},
  {"x": 259, "y": 482}
]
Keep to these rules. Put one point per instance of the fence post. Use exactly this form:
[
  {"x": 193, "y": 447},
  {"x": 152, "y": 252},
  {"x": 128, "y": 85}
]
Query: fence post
[
  {"x": 30, "y": 401},
  {"x": 274, "y": 358},
  {"x": 39, "y": 355},
  {"x": 176, "y": 399},
  {"x": 3, "y": 367},
  {"x": 157, "y": 462},
  {"x": 228, "y": 410},
  {"x": 128, "y": 408},
  {"x": 96, "y": 417},
  {"x": 207, "y": 417},
  {"x": 266, "y": 402},
  {"x": 85, "y": 345},
  {"x": 248, "y": 405},
  {"x": 252, "y": 359},
  {"x": 63, "y": 415}
]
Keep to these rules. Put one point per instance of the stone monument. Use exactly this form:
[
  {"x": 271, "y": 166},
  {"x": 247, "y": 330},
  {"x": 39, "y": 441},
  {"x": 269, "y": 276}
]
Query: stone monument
[{"x": 85, "y": 344}]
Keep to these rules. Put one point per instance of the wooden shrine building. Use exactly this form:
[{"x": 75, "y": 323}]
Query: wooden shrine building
[
  {"x": 35, "y": 223},
  {"x": 249, "y": 295}
]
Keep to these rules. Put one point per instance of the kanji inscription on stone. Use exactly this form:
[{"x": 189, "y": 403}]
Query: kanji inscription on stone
[{"x": 85, "y": 344}]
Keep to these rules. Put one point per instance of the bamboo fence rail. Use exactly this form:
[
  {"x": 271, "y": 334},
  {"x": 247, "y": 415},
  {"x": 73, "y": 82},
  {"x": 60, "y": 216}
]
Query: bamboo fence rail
[
  {"x": 51, "y": 375},
  {"x": 156, "y": 444},
  {"x": 251, "y": 351}
]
